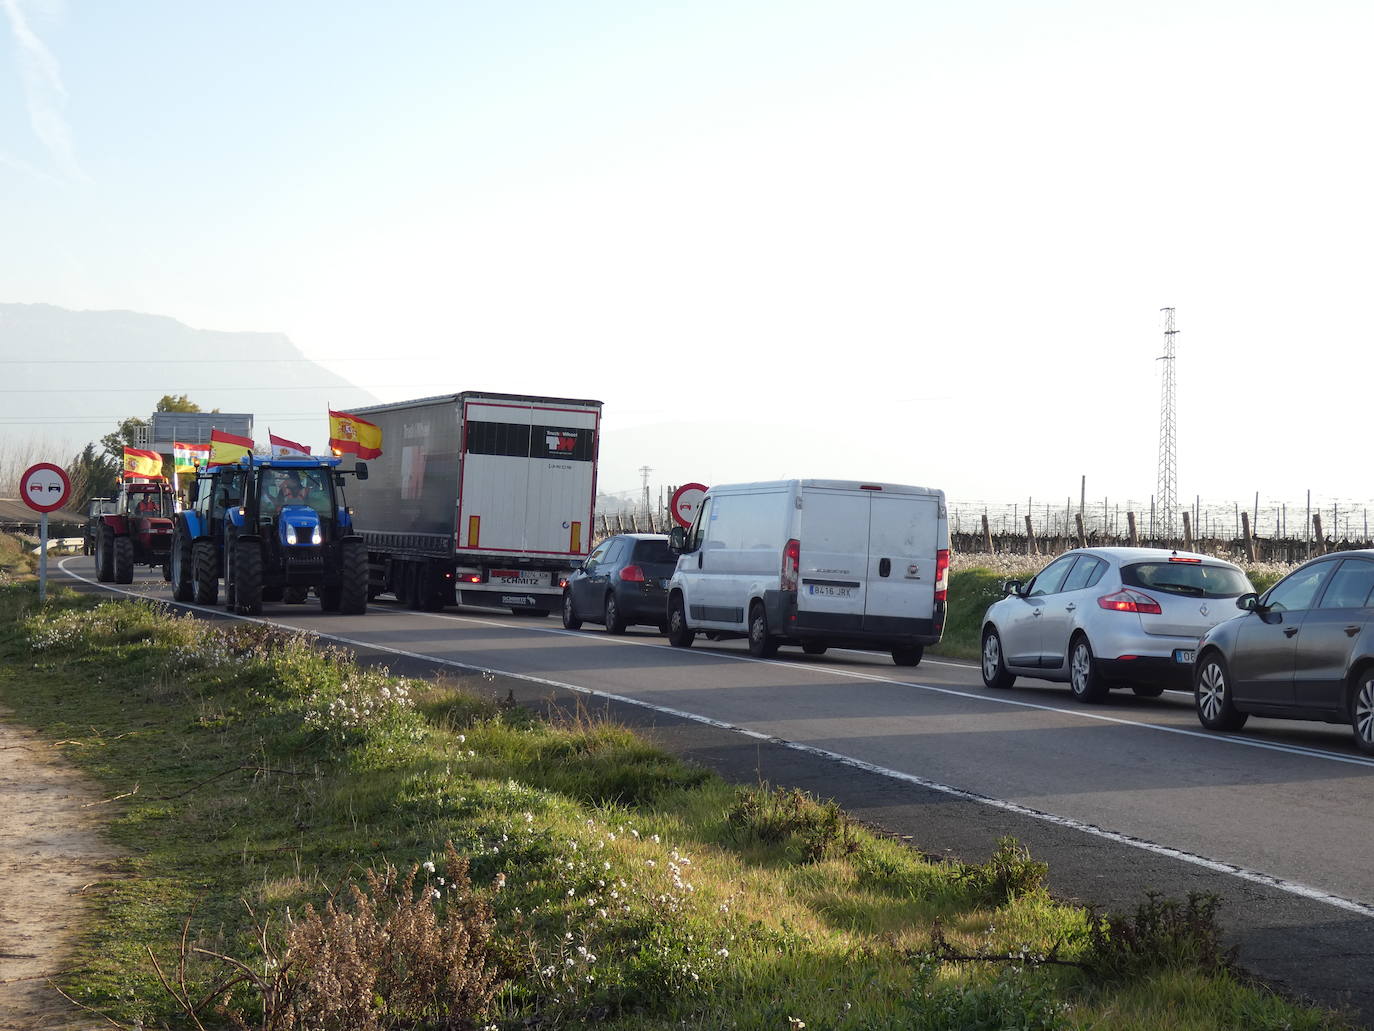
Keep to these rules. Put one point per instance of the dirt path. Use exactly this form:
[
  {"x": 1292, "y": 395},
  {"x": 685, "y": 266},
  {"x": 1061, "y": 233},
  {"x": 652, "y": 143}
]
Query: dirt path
[{"x": 50, "y": 850}]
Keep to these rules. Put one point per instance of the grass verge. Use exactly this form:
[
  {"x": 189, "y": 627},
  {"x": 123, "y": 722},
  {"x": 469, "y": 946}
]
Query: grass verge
[{"x": 276, "y": 795}]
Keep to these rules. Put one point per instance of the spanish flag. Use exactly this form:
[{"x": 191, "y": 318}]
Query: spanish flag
[
  {"x": 349, "y": 435},
  {"x": 189, "y": 457},
  {"x": 283, "y": 448},
  {"x": 138, "y": 462},
  {"x": 227, "y": 449}
]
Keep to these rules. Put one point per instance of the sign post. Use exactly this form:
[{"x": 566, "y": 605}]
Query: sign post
[
  {"x": 685, "y": 502},
  {"x": 44, "y": 488}
]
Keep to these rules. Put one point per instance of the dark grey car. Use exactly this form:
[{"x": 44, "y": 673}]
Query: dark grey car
[
  {"x": 621, "y": 583},
  {"x": 1304, "y": 649}
]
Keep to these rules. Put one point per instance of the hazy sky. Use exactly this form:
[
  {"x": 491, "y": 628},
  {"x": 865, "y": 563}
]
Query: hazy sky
[{"x": 907, "y": 241}]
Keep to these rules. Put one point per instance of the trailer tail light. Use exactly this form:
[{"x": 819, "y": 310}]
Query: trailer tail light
[
  {"x": 791, "y": 562},
  {"x": 941, "y": 575},
  {"x": 1127, "y": 600},
  {"x": 632, "y": 575},
  {"x": 471, "y": 578}
]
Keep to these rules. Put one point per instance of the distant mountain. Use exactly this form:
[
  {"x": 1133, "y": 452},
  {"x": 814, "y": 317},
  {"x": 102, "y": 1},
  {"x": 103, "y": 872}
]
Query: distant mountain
[{"x": 68, "y": 377}]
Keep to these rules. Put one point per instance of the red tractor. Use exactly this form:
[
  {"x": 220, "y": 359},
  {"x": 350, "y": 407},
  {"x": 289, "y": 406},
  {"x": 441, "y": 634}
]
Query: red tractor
[{"x": 137, "y": 533}]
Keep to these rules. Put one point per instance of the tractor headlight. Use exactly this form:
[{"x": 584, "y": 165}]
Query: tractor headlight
[
  {"x": 290, "y": 534},
  {"x": 316, "y": 537}
]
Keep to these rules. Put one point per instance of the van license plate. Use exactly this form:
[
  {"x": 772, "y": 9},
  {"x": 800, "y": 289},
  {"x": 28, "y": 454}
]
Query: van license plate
[
  {"x": 829, "y": 591},
  {"x": 1184, "y": 655}
]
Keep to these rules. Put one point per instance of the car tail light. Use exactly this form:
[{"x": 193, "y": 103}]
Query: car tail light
[
  {"x": 632, "y": 575},
  {"x": 1127, "y": 600},
  {"x": 1191, "y": 561},
  {"x": 941, "y": 574},
  {"x": 791, "y": 562}
]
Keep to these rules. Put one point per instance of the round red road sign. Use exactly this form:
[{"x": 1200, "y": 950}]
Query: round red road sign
[
  {"x": 45, "y": 487},
  {"x": 686, "y": 500}
]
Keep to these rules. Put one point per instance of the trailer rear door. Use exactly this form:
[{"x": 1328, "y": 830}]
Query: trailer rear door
[{"x": 528, "y": 478}]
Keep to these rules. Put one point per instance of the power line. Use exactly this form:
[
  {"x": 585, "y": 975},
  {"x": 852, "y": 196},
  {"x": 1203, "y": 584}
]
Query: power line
[
  {"x": 199, "y": 361},
  {"x": 206, "y": 389}
]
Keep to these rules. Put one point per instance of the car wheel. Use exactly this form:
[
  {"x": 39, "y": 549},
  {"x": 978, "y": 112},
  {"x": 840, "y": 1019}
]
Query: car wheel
[
  {"x": 762, "y": 645},
  {"x": 615, "y": 624},
  {"x": 1216, "y": 709},
  {"x": 995, "y": 673},
  {"x": 1084, "y": 680},
  {"x": 680, "y": 635},
  {"x": 570, "y": 620},
  {"x": 909, "y": 656},
  {"x": 1362, "y": 711},
  {"x": 814, "y": 648},
  {"x": 1148, "y": 690}
]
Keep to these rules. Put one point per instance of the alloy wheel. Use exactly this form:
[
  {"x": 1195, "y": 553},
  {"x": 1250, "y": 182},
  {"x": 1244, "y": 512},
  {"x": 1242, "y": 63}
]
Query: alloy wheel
[{"x": 1211, "y": 687}]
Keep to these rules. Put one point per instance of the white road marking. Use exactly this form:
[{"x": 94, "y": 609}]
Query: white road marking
[{"x": 1216, "y": 866}]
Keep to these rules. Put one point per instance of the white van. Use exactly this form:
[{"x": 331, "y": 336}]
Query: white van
[{"x": 818, "y": 563}]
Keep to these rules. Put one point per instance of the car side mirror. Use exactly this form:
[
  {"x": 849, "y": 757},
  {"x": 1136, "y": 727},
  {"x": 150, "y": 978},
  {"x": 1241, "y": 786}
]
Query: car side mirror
[
  {"x": 360, "y": 470},
  {"x": 1248, "y": 602},
  {"x": 1012, "y": 587},
  {"x": 677, "y": 540}
]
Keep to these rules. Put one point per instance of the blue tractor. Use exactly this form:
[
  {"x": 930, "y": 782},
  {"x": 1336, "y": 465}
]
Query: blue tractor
[{"x": 272, "y": 529}]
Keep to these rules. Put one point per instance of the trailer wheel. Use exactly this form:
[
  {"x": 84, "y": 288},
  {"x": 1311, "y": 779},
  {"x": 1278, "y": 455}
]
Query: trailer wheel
[
  {"x": 352, "y": 576},
  {"x": 183, "y": 566},
  {"x": 205, "y": 569},
  {"x": 123, "y": 560},
  {"x": 104, "y": 554},
  {"x": 247, "y": 577}
]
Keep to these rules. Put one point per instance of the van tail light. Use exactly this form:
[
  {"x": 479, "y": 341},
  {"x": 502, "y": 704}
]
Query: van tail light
[
  {"x": 791, "y": 562},
  {"x": 632, "y": 575},
  {"x": 1127, "y": 600},
  {"x": 942, "y": 574}
]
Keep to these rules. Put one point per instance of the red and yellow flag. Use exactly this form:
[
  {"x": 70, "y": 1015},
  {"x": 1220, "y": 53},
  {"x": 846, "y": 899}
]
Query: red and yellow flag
[
  {"x": 228, "y": 448},
  {"x": 138, "y": 462},
  {"x": 349, "y": 435}
]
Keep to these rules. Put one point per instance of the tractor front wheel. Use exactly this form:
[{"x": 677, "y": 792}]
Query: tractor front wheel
[
  {"x": 205, "y": 573},
  {"x": 123, "y": 560},
  {"x": 247, "y": 578},
  {"x": 352, "y": 576},
  {"x": 183, "y": 566},
  {"x": 104, "y": 554}
]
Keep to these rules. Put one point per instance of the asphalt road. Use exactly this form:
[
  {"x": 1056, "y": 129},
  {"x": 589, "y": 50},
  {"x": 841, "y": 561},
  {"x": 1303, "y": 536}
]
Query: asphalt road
[{"x": 1119, "y": 799}]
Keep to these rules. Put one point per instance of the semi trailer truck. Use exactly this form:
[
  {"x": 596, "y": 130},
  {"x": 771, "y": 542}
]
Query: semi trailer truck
[{"x": 479, "y": 498}]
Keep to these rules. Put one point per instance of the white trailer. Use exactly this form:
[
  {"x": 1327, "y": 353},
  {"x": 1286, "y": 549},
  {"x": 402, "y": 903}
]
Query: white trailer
[{"x": 480, "y": 498}]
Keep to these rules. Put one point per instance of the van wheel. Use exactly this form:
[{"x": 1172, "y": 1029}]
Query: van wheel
[
  {"x": 908, "y": 656},
  {"x": 761, "y": 644},
  {"x": 814, "y": 648},
  {"x": 680, "y": 635}
]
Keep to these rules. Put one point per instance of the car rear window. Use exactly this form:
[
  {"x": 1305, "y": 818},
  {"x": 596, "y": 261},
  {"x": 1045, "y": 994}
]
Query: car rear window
[
  {"x": 1193, "y": 579},
  {"x": 652, "y": 551}
]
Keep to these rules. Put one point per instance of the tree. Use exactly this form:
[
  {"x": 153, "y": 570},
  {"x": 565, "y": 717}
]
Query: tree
[
  {"x": 93, "y": 475},
  {"x": 176, "y": 403}
]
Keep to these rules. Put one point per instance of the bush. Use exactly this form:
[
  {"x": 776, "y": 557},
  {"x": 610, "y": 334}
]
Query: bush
[
  {"x": 792, "y": 819},
  {"x": 1009, "y": 874},
  {"x": 1161, "y": 933}
]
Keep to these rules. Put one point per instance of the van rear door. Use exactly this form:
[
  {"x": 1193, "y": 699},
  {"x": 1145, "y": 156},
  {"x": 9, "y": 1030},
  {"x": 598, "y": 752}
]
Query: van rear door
[
  {"x": 834, "y": 557},
  {"x": 903, "y": 539}
]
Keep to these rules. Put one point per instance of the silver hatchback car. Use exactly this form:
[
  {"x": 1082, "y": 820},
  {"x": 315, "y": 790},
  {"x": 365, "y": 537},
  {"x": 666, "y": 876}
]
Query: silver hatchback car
[{"x": 1102, "y": 617}]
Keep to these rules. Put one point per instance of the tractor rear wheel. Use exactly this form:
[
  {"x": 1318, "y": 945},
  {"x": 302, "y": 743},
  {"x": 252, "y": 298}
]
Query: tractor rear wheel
[
  {"x": 183, "y": 566},
  {"x": 352, "y": 576},
  {"x": 104, "y": 554},
  {"x": 123, "y": 560},
  {"x": 205, "y": 573},
  {"x": 247, "y": 577}
]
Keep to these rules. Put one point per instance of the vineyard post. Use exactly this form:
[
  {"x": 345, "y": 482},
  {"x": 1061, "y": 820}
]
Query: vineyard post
[
  {"x": 1187, "y": 530},
  {"x": 1134, "y": 538},
  {"x": 1082, "y": 537},
  {"x": 1320, "y": 541},
  {"x": 1031, "y": 549},
  {"x": 1249, "y": 538},
  {"x": 987, "y": 534}
]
